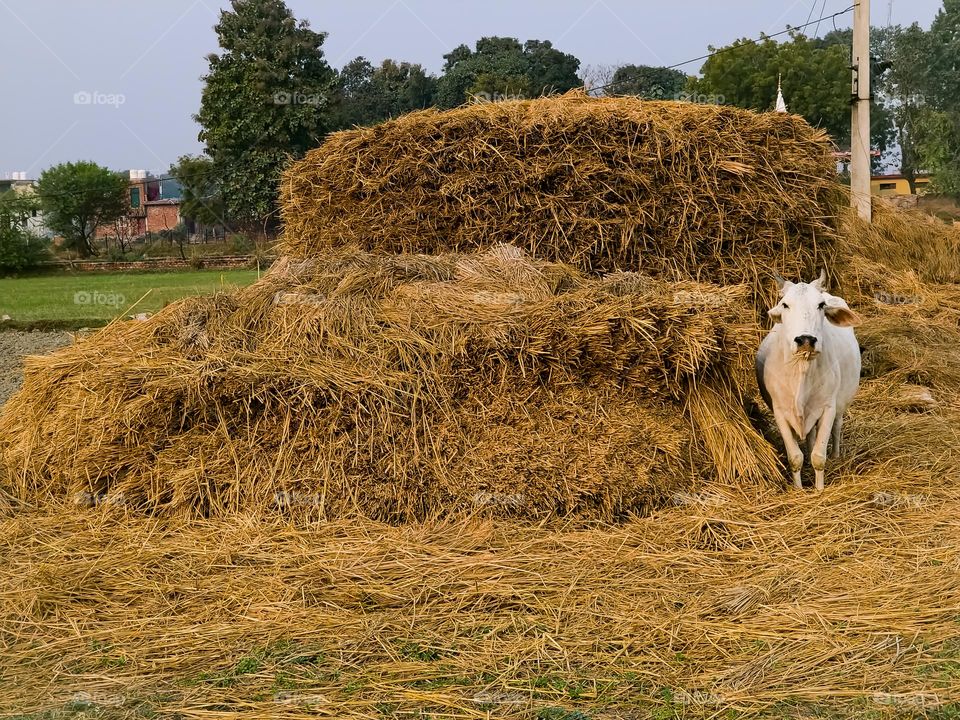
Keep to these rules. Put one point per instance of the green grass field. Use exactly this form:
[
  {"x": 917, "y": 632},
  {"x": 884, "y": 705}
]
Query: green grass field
[{"x": 87, "y": 298}]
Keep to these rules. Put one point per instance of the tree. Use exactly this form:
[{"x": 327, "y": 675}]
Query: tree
[
  {"x": 656, "y": 83},
  {"x": 201, "y": 199},
  {"x": 503, "y": 67},
  {"x": 883, "y": 135},
  {"x": 19, "y": 249},
  {"x": 265, "y": 100},
  {"x": 366, "y": 95},
  {"x": 937, "y": 126},
  {"x": 904, "y": 88},
  {"x": 815, "y": 78},
  {"x": 597, "y": 79},
  {"x": 77, "y": 198}
]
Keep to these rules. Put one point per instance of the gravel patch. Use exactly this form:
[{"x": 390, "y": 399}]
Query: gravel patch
[{"x": 14, "y": 344}]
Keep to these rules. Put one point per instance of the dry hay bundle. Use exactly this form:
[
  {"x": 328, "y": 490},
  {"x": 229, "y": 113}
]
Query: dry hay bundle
[
  {"x": 890, "y": 258},
  {"x": 674, "y": 190},
  {"x": 777, "y": 604},
  {"x": 400, "y": 387}
]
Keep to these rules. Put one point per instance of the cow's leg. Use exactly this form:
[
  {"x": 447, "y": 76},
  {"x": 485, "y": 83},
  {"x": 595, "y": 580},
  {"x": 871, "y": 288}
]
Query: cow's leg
[
  {"x": 794, "y": 453},
  {"x": 819, "y": 456},
  {"x": 811, "y": 441},
  {"x": 837, "y": 432}
]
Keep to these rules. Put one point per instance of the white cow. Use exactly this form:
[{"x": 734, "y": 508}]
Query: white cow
[{"x": 808, "y": 368}]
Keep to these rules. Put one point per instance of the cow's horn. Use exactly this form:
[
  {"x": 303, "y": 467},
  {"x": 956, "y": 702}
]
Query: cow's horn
[{"x": 821, "y": 282}]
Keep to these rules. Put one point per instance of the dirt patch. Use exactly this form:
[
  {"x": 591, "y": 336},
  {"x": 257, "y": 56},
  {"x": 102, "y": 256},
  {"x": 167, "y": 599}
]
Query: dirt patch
[{"x": 14, "y": 344}]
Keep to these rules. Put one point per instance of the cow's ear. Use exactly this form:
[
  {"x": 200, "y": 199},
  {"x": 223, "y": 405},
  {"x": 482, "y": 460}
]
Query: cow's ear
[
  {"x": 776, "y": 312},
  {"x": 839, "y": 313}
]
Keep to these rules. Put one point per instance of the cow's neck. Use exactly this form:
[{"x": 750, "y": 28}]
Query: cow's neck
[{"x": 801, "y": 369}]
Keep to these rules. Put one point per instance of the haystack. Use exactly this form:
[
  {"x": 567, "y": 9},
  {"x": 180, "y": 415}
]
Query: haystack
[
  {"x": 400, "y": 387},
  {"x": 595, "y": 365},
  {"x": 891, "y": 258},
  {"x": 675, "y": 190}
]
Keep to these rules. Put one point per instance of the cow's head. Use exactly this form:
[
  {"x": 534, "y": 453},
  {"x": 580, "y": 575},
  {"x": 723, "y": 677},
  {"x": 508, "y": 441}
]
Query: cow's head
[{"x": 802, "y": 310}]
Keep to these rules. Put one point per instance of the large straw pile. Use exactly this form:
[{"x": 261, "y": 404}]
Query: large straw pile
[
  {"x": 675, "y": 190},
  {"x": 400, "y": 387}
]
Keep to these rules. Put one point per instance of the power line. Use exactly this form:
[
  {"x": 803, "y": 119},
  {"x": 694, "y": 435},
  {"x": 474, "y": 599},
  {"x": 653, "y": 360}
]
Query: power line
[
  {"x": 752, "y": 41},
  {"x": 816, "y": 30}
]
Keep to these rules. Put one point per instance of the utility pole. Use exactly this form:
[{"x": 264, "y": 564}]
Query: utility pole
[{"x": 860, "y": 112}]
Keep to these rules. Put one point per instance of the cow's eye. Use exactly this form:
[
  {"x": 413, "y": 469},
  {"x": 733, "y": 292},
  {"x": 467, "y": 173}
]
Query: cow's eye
[
  {"x": 822, "y": 305},
  {"x": 785, "y": 306}
]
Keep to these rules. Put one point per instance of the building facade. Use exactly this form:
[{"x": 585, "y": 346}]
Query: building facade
[{"x": 890, "y": 185}]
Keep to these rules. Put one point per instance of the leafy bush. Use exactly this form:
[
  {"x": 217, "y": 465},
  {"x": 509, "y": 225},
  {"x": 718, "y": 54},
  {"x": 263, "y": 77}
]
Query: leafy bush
[
  {"x": 240, "y": 244},
  {"x": 20, "y": 250}
]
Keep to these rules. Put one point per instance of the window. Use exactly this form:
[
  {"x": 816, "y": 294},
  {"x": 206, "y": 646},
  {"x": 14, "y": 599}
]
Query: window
[
  {"x": 888, "y": 186},
  {"x": 135, "y": 197}
]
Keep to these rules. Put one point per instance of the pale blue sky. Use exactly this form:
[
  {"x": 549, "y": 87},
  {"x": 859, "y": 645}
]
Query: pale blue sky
[{"x": 117, "y": 82}]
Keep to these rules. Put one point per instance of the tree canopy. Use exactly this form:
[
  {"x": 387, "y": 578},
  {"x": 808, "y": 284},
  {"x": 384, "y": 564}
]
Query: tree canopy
[
  {"x": 657, "y": 83},
  {"x": 201, "y": 199},
  {"x": 265, "y": 100},
  {"x": 816, "y": 80},
  {"x": 19, "y": 249},
  {"x": 937, "y": 124},
  {"x": 366, "y": 95},
  {"x": 77, "y": 198},
  {"x": 501, "y": 67}
]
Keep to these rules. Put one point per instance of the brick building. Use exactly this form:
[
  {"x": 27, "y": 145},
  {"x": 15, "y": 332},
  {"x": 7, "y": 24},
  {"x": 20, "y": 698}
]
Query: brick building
[{"x": 154, "y": 206}]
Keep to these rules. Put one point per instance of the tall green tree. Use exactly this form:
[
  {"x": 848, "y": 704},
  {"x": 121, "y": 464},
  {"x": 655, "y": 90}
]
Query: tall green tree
[
  {"x": 77, "y": 198},
  {"x": 366, "y": 95},
  {"x": 503, "y": 67},
  {"x": 816, "y": 80},
  {"x": 201, "y": 199},
  {"x": 19, "y": 248},
  {"x": 883, "y": 133},
  {"x": 656, "y": 83},
  {"x": 265, "y": 100},
  {"x": 904, "y": 88},
  {"x": 938, "y": 126}
]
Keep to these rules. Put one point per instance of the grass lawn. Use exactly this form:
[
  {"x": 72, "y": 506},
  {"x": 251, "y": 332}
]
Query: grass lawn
[{"x": 95, "y": 298}]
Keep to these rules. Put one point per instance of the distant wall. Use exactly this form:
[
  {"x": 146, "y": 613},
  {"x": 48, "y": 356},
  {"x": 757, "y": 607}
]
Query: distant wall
[{"x": 214, "y": 262}]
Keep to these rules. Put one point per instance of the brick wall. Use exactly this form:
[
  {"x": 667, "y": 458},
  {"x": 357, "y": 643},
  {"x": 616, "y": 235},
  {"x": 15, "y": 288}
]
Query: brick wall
[
  {"x": 216, "y": 262},
  {"x": 162, "y": 216}
]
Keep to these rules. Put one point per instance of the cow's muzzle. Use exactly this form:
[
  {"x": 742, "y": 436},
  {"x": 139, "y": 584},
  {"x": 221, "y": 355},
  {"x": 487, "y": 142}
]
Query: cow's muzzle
[{"x": 806, "y": 343}]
